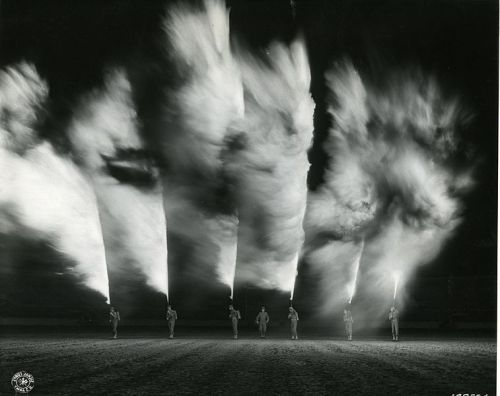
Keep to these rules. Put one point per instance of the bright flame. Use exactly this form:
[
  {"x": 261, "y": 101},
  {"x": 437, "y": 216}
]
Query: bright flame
[
  {"x": 391, "y": 178},
  {"x": 268, "y": 161},
  {"x": 294, "y": 279},
  {"x": 49, "y": 196},
  {"x": 224, "y": 231},
  {"x": 396, "y": 276},
  {"x": 132, "y": 216},
  {"x": 356, "y": 266}
]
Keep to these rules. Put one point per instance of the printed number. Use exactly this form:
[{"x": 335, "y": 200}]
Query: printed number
[{"x": 468, "y": 394}]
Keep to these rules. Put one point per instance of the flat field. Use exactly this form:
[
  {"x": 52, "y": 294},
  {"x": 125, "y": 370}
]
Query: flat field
[{"x": 91, "y": 364}]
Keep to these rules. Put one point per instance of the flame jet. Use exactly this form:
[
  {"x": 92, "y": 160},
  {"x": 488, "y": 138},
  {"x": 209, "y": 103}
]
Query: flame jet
[
  {"x": 42, "y": 191},
  {"x": 268, "y": 161},
  {"x": 106, "y": 143},
  {"x": 226, "y": 228},
  {"x": 391, "y": 178},
  {"x": 198, "y": 113},
  {"x": 352, "y": 286}
]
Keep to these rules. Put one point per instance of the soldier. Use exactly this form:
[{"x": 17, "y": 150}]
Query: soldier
[
  {"x": 171, "y": 317},
  {"x": 394, "y": 318},
  {"x": 262, "y": 320},
  {"x": 293, "y": 315},
  {"x": 235, "y": 316},
  {"x": 114, "y": 318},
  {"x": 348, "y": 321}
]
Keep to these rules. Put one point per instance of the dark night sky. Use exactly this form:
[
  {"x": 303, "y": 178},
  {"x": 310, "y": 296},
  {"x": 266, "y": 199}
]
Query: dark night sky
[{"x": 72, "y": 42}]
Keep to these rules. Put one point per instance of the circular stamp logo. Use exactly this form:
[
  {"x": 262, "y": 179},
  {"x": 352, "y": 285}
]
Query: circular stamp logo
[{"x": 23, "y": 382}]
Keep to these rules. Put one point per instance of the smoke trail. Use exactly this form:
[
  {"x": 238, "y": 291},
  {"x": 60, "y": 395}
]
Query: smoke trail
[
  {"x": 269, "y": 164},
  {"x": 391, "y": 178},
  {"x": 105, "y": 140},
  {"x": 42, "y": 191},
  {"x": 200, "y": 108}
]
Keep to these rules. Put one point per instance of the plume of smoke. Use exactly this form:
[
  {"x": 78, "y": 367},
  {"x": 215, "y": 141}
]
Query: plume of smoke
[
  {"x": 390, "y": 180},
  {"x": 198, "y": 114},
  {"x": 254, "y": 144},
  {"x": 42, "y": 191},
  {"x": 269, "y": 164},
  {"x": 105, "y": 139},
  {"x": 210, "y": 95},
  {"x": 22, "y": 98}
]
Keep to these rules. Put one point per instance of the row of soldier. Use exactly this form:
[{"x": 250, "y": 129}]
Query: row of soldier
[{"x": 262, "y": 321}]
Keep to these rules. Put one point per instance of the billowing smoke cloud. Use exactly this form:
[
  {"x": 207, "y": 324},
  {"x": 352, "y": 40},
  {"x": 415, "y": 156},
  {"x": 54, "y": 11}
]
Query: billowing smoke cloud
[
  {"x": 199, "y": 111},
  {"x": 269, "y": 164},
  {"x": 391, "y": 182},
  {"x": 235, "y": 143},
  {"x": 40, "y": 190},
  {"x": 106, "y": 142}
]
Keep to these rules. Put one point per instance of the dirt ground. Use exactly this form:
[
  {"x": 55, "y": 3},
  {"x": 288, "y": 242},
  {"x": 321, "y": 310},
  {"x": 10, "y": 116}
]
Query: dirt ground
[{"x": 91, "y": 364}]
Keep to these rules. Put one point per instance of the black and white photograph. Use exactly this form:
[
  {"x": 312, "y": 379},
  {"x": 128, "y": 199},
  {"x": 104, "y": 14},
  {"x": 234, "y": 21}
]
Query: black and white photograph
[{"x": 248, "y": 197}]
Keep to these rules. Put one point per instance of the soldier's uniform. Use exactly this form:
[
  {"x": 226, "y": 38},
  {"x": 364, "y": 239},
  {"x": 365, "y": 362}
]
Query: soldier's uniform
[
  {"x": 348, "y": 321},
  {"x": 114, "y": 318},
  {"x": 394, "y": 318},
  {"x": 171, "y": 318},
  {"x": 294, "y": 318},
  {"x": 235, "y": 316},
  {"x": 262, "y": 320}
]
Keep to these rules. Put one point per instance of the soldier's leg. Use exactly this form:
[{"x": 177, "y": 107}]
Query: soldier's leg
[
  {"x": 264, "y": 329},
  {"x": 235, "y": 328},
  {"x": 349, "y": 331},
  {"x": 393, "y": 328},
  {"x": 115, "y": 328},
  {"x": 397, "y": 329}
]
